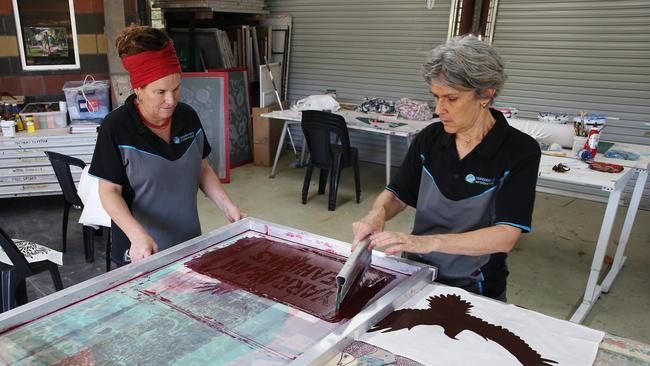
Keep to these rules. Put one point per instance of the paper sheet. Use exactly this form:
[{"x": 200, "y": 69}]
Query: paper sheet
[
  {"x": 93, "y": 213},
  {"x": 33, "y": 253},
  {"x": 552, "y": 339}
]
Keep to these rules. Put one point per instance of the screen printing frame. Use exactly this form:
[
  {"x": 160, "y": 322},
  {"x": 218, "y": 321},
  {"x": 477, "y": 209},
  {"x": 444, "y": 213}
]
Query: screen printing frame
[{"x": 418, "y": 276}]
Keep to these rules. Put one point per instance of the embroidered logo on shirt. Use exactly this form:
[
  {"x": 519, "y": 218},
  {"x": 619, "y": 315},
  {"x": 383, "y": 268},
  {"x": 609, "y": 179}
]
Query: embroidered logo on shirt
[
  {"x": 185, "y": 137},
  {"x": 472, "y": 179}
]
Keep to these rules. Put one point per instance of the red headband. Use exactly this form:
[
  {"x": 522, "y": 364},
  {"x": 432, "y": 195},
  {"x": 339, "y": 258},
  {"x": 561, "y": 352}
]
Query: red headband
[{"x": 148, "y": 66}]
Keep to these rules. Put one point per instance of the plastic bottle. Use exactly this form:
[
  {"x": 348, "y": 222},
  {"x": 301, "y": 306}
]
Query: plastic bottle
[
  {"x": 16, "y": 113},
  {"x": 592, "y": 140},
  {"x": 30, "y": 125},
  {"x": 20, "y": 126}
]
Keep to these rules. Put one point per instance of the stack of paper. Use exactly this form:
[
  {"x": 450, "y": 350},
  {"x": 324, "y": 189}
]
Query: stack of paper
[{"x": 84, "y": 127}]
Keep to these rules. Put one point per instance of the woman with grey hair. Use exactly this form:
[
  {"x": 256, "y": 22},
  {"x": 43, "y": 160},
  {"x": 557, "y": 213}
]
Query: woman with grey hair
[{"x": 471, "y": 178}]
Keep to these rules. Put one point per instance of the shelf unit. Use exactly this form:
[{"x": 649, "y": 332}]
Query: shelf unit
[{"x": 26, "y": 171}]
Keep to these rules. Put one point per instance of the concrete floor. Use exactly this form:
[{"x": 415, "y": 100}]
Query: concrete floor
[{"x": 549, "y": 266}]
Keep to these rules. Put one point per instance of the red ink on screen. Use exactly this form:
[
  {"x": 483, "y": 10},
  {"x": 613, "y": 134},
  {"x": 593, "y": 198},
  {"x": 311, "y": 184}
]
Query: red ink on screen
[{"x": 298, "y": 276}]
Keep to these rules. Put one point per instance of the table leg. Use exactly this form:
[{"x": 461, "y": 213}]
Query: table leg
[
  {"x": 279, "y": 151},
  {"x": 388, "y": 158},
  {"x": 619, "y": 258},
  {"x": 593, "y": 290}
]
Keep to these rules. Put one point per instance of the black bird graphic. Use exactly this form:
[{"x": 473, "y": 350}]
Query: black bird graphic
[{"x": 452, "y": 314}]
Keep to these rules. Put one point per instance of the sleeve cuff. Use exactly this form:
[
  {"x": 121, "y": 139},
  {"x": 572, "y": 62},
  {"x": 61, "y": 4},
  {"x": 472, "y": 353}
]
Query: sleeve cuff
[{"x": 525, "y": 229}]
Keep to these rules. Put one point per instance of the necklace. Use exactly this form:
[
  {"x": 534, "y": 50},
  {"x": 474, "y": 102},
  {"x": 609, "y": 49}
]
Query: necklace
[
  {"x": 485, "y": 129},
  {"x": 160, "y": 126},
  {"x": 152, "y": 125}
]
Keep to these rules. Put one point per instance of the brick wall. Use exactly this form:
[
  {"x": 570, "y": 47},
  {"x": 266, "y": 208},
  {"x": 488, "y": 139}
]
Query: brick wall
[{"x": 47, "y": 85}]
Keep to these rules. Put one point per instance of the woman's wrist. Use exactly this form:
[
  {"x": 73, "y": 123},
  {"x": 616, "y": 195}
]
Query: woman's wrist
[
  {"x": 137, "y": 234},
  {"x": 378, "y": 214}
]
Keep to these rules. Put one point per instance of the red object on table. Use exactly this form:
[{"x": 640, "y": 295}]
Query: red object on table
[{"x": 606, "y": 167}]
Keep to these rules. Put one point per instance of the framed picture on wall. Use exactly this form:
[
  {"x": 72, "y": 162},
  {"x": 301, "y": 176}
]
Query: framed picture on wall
[{"x": 47, "y": 34}]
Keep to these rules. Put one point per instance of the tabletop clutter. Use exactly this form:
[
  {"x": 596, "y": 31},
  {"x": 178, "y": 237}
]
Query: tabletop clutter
[
  {"x": 586, "y": 126},
  {"x": 406, "y": 108},
  {"x": 86, "y": 102},
  {"x": 586, "y": 141}
]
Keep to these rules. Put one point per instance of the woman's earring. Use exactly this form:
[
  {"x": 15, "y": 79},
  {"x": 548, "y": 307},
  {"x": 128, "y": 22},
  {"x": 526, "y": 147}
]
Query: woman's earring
[{"x": 483, "y": 105}]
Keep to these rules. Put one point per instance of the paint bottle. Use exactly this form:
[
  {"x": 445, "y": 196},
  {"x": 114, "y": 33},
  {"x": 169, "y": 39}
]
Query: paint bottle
[
  {"x": 15, "y": 111},
  {"x": 30, "y": 125},
  {"x": 592, "y": 140},
  {"x": 20, "y": 126}
]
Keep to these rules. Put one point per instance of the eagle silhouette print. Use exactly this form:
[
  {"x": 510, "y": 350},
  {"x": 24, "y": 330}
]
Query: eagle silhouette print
[{"x": 452, "y": 314}]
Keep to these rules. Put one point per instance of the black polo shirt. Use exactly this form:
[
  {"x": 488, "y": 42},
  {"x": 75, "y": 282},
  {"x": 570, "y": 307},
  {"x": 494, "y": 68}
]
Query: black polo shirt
[
  {"x": 505, "y": 153},
  {"x": 158, "y": 179},
  {"x": 124, "y": 127}
]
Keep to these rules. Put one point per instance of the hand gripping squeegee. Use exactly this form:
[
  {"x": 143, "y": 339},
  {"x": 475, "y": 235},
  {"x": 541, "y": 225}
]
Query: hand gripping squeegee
[{"x": 352, "y": 270}]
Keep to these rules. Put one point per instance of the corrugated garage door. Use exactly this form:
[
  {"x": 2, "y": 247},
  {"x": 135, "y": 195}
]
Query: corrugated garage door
[
  {"x": 561, "y": 56},
  {"x": 362, "y": 48},
  {"x": 580, "y": 55}
]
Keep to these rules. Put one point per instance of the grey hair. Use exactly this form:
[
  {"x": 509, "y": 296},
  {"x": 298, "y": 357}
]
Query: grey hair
[{"x": 466, "y": 62}]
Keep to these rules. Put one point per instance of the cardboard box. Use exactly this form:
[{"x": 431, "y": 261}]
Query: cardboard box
[{"x": 266, "y": 134}]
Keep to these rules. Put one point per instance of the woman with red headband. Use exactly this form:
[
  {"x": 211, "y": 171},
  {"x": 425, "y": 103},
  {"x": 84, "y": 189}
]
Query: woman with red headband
[{"x": 151, "y": 154}]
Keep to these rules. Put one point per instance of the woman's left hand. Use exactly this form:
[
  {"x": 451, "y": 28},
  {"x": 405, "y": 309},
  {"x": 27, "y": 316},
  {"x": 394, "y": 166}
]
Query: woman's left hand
[{"x": 395, "y": 242}]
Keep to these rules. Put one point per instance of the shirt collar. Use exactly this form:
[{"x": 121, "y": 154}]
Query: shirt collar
[
  {"x": 446, "y": 140},
  {"x": 495, "y": 137},
  {"x": 490, "y": 143}
]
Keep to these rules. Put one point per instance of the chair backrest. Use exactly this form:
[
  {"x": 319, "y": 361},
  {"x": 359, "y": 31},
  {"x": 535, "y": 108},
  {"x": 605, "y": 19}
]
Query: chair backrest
[
  {"x": 319, "y": 128},
  {"x": 14, "y": 254},
  {"x": 61, "y": 164}
]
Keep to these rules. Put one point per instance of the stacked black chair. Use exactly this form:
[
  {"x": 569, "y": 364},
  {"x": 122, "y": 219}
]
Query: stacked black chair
[
  {"x": 61, "y": 164},
  {"x": 12, "y": 277},
  {"x": 322, "y": 131}
]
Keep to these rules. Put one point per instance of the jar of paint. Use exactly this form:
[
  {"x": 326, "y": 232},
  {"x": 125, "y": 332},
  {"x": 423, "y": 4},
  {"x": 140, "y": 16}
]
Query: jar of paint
[{"x": 8, "y": 128}]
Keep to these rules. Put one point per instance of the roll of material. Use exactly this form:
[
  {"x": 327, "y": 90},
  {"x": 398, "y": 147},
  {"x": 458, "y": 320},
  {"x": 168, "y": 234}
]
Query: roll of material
[{"x": 545, "y": 132}]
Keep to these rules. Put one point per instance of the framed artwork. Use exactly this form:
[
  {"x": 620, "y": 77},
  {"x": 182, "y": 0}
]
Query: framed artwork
[
  {"x": 207, "y": 93},
  {"x": 47, "y": 34},
  {"x": 239, "y": 117}
]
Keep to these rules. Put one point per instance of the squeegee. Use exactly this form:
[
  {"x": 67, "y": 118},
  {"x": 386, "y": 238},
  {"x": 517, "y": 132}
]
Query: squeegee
[{"x": 353, "y": 270}]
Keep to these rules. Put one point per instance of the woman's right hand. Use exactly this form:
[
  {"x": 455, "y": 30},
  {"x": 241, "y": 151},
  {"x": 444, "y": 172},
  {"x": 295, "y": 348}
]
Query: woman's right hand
[
  {"x": 142, "y": 244},
  {"x": 142, "y": 247},
  {"x": 372, "y": 223}
]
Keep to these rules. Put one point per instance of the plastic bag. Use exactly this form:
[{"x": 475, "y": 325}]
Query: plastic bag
[
  {"x": 376, "y": 105},
  {"x": 413, "y": 109}
]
